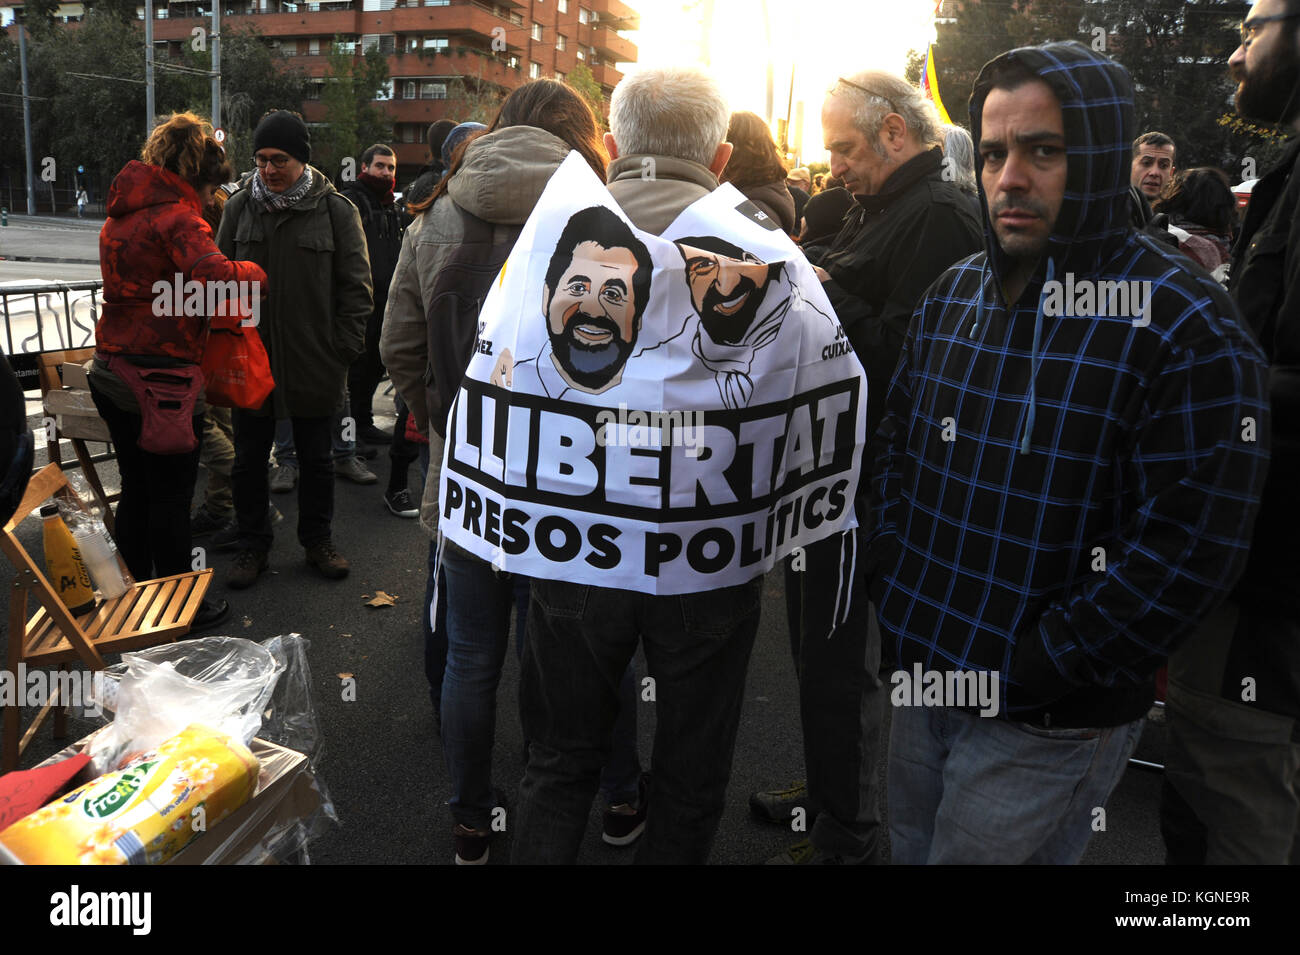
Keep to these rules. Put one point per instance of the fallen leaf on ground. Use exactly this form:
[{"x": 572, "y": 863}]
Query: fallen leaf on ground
[{"x": 381, "y": 599}]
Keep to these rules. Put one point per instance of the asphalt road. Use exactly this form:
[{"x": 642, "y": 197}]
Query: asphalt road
[{"x": 382, "y": 759}]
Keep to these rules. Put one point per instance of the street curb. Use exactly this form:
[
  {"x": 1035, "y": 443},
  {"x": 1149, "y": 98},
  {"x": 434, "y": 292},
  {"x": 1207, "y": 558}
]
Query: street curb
[{"x": 49, "y": 259}]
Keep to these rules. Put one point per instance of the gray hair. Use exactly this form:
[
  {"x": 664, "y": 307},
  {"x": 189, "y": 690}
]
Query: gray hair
[
  {"x": 958, "y": 147},
  {"x": 874, "y": 94},
  {"x": 669, "y": 112}
]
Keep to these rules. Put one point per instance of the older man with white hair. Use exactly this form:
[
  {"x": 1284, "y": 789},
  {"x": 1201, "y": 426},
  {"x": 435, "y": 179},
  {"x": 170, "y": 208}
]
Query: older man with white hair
[
  {"x": 667, "y": 147},
  {"x": 909, "y": 222}
]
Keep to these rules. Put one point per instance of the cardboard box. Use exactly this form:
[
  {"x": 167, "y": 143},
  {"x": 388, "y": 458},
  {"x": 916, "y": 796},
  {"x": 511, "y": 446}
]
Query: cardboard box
[{"x": 286, "y": 794}]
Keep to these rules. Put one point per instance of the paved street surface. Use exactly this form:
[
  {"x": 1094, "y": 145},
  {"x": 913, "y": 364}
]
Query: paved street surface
[{"x": 383, "y": 761}]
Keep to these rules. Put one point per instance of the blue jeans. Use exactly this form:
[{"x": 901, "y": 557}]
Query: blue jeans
[
  {"x": 479, "y": 601},
  {"x": 580, "y": 641},
  {"x": 967, "y": 789}
]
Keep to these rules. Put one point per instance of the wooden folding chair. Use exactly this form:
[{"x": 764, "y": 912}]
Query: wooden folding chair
[
  {"x": 50, "y": 380},
  {"x": 149, "y": 613}
]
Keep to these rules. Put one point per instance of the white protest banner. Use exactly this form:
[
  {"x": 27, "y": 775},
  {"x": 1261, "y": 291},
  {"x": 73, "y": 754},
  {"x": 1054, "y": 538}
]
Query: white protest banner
[{"x": 666, "y": 414}]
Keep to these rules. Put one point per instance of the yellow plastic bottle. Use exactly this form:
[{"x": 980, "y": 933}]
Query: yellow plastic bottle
[{"x": 63, "y": 564}]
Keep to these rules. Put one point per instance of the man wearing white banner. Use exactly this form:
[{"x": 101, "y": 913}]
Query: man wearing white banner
[{"x": 645, "y": 490}]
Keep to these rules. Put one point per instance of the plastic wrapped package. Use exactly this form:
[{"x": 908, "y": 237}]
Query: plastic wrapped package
[
  {"x": 146, "y": 812},
  {"x": 258, "y": 693},
  {"x": 221, "y": 682}
]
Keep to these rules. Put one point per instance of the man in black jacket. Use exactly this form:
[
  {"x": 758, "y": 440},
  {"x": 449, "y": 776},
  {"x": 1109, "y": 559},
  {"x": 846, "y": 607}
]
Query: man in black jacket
[
  {"x": 906, "y": 226},
  {"x": 1232, "y": 787},
  {"x": 372, "y": 194}
]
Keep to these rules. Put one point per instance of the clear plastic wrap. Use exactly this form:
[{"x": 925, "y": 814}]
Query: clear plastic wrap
[
  {"x": 221, "y": 682},
  {"x": 260, "y": 693}
]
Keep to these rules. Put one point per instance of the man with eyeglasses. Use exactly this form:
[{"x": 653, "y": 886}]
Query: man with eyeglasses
[
  {"x": 909, "y": 222},
  {"x": 1232, "y": 772},
  {"x": 291, "y": 221}
]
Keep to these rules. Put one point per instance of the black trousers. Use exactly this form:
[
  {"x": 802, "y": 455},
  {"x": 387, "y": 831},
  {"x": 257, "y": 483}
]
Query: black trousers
[
  {"x": 365, "y": 374},
  {"x": 253, "y": 438},
  {"x": 153, "y": 514}
]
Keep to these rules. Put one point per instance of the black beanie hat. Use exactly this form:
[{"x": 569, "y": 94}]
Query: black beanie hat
[{"x": 284, "y": 131}]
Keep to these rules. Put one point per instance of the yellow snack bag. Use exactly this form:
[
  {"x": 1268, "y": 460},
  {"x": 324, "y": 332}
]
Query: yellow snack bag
[{"x": 145, "y": 813}]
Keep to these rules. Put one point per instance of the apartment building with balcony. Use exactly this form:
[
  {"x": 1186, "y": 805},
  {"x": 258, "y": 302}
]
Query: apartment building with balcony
[{"x": 429, "y": 44}]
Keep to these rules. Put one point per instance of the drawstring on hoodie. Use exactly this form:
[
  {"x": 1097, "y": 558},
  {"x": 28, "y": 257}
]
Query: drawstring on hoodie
[
  {"x": 1034, "y": 359},
  {"x": 979, "y": 302},
  {"x": 838, "y": 616}
]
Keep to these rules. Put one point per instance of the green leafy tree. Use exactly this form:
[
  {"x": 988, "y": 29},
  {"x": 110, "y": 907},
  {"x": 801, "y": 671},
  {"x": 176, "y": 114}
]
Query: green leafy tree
[
  {"x": 472, "y": 104},
  {"x": 1176, "y": 51},
  {"x": 915, "y": 68},
  {"x": 254, "y": 80},
  {"x": 585, "y": 85},
  {"x": 352, "y": 120}
]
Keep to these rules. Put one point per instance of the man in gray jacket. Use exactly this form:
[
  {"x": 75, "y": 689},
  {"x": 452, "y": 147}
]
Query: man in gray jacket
[
  {"x": 667, "y": 148},
  {"x": 290, "y": 220}
]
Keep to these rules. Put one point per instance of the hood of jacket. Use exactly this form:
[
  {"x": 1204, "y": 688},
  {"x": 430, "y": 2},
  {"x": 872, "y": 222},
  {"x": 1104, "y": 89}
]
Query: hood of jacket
[
  {"x": 1096, "y": 97},
  {"x": 140, "y": 185},
  {"x": 503, "y": 173}
]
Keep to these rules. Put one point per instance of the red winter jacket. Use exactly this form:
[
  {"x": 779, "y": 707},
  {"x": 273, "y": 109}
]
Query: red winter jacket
[{"x": 154, "y": 230}]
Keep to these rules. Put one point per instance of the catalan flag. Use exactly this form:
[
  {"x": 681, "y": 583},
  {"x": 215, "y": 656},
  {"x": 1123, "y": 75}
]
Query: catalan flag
[{"x": 930, "y": 83}]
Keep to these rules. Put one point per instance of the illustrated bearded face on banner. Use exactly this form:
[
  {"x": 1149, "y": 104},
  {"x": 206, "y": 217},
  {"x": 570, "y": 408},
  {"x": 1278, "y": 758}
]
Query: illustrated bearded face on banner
[
  {"x": 727, "y": 285},
  {"x": 597, "y": 286}
]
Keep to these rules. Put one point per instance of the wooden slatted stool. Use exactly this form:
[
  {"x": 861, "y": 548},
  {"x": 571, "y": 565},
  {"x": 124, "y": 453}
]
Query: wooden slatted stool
[{"x": 149, "y": 613}]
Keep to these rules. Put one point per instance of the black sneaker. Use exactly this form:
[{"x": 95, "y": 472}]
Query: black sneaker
[
  {"x": 471, "y": 845},
  {"x": 204, "y": 522},
  {"x": 211, "y": 613},
  {"x": 624, "y": 823},
  {"x": 778, "y": 805},
  {"x": 400, "y": 503}
]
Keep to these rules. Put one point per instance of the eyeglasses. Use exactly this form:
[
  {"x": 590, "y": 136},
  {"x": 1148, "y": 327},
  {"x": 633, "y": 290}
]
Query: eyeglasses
[
  {"x": 1250, "y": 27},
  {"x": 858, "y": 86},
  {"x": 279, "y": 162}
]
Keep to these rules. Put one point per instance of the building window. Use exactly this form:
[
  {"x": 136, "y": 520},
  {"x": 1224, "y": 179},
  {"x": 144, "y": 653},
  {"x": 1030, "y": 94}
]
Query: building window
[
  {"x": 581, "y": 55},
  {"x": 383, "y": 42},
  {"x": 430, "y": 44},
  {"x": 512, "y": 61},
  {"x": 437, "y": 3},
  {"x": 517, "y": 19},
  {"x": 537, "y": 31},
  {"x": 564, "y": 6},
  {"x": 313, "y": 47},
  {"x": 561, "y": 41},
  {"x": 584, "y": 15},
  {"x": 534, "y": 71},
  {"x": 559, "y": 76},
  {"x": 313, "y": 91},
  {"x": 408, "y": 90},
  {"x": 430, "y": 90}
]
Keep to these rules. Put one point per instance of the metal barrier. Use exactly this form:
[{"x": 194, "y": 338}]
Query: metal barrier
[{"x": 48, "y": 316}]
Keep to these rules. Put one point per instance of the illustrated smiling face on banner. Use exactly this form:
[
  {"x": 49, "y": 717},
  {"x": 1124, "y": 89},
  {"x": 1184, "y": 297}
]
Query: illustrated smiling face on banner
[
  {"x": 727, "y": 285},
  {"x": 597, "y": 286}
]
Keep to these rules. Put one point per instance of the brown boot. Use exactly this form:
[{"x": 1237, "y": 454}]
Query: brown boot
[
  {"x": 327, "y": 560},
  {"x": 248, "y": 565}
]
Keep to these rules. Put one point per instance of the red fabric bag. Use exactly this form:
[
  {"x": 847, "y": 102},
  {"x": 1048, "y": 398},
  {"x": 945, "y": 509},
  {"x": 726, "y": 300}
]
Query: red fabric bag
[{"x": 237, "y": 369}]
